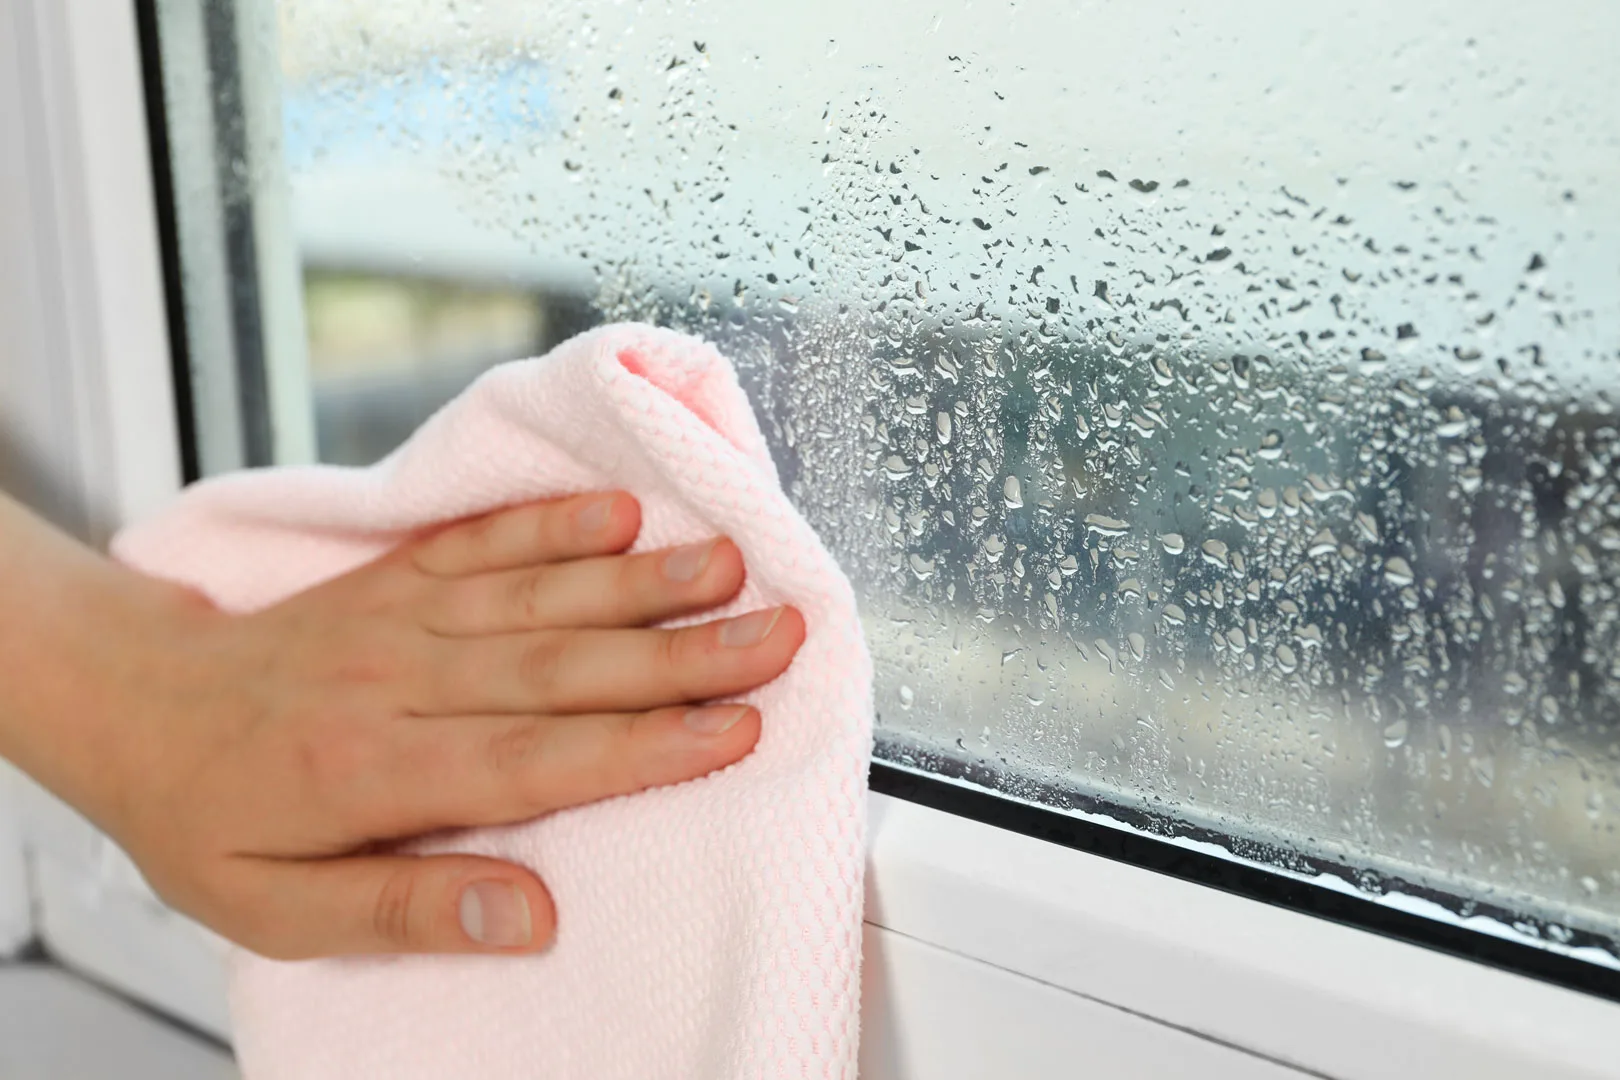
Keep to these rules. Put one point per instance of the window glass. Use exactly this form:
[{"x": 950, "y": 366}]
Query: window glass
[{"x": 1214, "y": 404}]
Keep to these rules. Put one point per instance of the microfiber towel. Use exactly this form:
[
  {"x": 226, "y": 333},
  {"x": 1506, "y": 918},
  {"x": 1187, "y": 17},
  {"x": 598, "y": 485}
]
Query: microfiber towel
[{"x": 708, "y": 930}]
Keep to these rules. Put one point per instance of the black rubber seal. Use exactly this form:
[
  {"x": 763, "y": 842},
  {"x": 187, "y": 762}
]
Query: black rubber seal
[{"x": 157, "y": 140}]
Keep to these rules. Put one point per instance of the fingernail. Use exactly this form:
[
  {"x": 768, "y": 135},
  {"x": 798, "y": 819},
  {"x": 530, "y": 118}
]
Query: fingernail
[
  {"x": 496, "y": 913},
  {"x": 686, "y": 563},
  {"x": 594, "y": 517},
  {"x": 713, "y": 719},
  {"x": 750, "y": 629}
]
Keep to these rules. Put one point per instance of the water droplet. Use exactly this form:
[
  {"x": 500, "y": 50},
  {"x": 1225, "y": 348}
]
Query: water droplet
[
  {"x": 1173, "y": 543},
  {"x": 1397, "y": 571},
  {"x": 1215, "y": 553},
  {"x": 942, "y": 426},
  {"x": 1287, "y": 662},
  {"x": 1395, "y": 734},
  {"x": 1323, "y": 543},
  {"x": 1013, "y": 493},
  {"x": 1580, "y": 557},
  {"x": 1455, "y": 426},
  {"x": 1106, "y": 526},
  {"x": 907, "y": 696}
]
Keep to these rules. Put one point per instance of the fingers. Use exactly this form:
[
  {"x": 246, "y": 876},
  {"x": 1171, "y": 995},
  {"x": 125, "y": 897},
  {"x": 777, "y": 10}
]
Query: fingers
[
  {"x": 468, "y": 772},
  {"x": 586, "y": 671},
  {"x": 496, "y": 770},
  {"x": 624, "y": 590},
  {"x": 554, "y": 531},
  {"x": 392, "y": 904}
]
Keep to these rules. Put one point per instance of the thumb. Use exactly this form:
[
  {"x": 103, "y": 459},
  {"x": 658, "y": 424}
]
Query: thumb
[{"x": 399, "y": 904}]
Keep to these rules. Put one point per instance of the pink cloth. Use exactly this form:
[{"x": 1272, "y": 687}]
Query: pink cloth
[{"x": 708, "y": 930}]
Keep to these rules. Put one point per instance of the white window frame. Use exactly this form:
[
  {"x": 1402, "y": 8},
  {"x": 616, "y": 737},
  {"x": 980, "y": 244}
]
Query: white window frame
[
  {"x": 88, "y": 403},
  {"x": 16, "y": 301},
  {"x": 16, "y": 914},
  {"x": 987, "y": 952}
]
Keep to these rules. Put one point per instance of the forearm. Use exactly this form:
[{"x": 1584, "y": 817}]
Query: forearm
[{"x": 74, "y": 627}]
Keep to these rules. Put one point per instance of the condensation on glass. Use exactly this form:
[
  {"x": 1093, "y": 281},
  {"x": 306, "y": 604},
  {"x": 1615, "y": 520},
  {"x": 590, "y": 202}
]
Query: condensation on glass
[{"x": 1215, "y": 404}]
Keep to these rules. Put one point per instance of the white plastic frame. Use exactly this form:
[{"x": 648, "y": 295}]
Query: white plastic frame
[
  {"x": 988, "y": 953},
  {"x": 87, "y": 415}
]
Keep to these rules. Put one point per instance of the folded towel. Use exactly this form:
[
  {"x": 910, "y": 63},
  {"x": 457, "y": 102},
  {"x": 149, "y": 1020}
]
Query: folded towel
[{"x": 707, "y": 930}]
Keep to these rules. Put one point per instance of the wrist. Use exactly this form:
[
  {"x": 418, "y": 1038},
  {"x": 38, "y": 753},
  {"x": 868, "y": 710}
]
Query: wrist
[
  {"x": 141, "y": 664},
  {"x": 89, "y": 658}
]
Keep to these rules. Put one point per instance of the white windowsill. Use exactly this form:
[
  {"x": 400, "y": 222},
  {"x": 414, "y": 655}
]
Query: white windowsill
[{"x": 1324, "y": 997}]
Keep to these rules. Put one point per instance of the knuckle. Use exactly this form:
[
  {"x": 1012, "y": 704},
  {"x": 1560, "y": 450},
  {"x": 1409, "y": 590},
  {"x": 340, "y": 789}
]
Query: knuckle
[
  {"x": 674, "y": 650},
  {"x": 392, "y": 917},
  {"x": 525, "y": 596},
  {"x": 620, "y": 756},
  {"x": 631, "y": 741},
  {"x": 637, "y": 577},
  {"x": 513, "y": 749},
  {"x": 541, "y": 660},
  {"x": 686, "y": 660}
]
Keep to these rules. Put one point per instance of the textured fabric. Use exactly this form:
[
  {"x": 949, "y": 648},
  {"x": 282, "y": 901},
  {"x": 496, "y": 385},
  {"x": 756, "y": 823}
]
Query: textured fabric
[{"x": 707, "y": 930}]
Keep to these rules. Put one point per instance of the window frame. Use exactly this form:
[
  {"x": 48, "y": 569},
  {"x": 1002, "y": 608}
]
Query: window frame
[
  {"x": 16, "y": 917},
  {"x": 1326, "y": 998},
  {"x": 1101, "y": 954},
  {"x": 16, "y": 914},
  {"x": 92, "y": 393}
]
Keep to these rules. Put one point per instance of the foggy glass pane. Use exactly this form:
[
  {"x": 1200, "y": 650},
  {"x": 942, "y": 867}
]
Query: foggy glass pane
[{"x": 1214, "y": 404}]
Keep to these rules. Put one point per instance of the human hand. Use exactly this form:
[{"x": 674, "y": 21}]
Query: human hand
[{"x": 497, "y": 670}]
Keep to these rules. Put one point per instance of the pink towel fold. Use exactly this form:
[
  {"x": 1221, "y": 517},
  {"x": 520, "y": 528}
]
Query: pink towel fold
[{"x": 707, "y": 930}]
